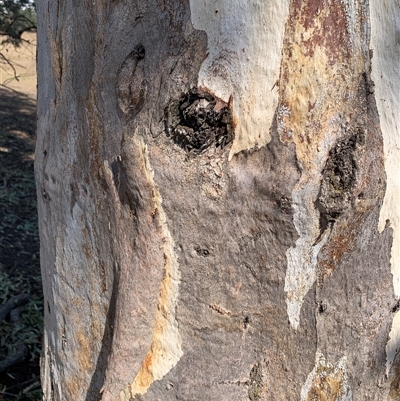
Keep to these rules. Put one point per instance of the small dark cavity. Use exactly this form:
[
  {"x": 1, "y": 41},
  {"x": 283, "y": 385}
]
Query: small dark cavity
[{"x": 195, "y": 122}]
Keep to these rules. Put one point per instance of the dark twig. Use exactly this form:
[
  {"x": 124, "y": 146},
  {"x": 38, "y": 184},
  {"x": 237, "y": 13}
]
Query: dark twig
[
  {"x": 17, "y": 35},
  {"x": 31, "y": 387},
  {"x": 15, "y": 314},
  {"x": 6, "y": 61},
  {"x": 12, "y": 304},
  {"x": 19, "y": 356}
]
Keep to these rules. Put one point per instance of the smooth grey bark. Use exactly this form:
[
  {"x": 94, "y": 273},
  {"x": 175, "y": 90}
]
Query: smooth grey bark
[{"x": 165, "y": 264}]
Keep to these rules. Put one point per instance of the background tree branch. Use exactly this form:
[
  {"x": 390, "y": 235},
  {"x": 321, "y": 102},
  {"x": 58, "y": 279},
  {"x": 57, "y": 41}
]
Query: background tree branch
[{"x": 16, "y": 17}]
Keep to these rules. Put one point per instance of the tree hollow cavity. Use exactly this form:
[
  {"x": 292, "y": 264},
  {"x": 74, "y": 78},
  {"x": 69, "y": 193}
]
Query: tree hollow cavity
[
  {"x": 339, "y": 177},
  {"x": 198, "y": 121}
]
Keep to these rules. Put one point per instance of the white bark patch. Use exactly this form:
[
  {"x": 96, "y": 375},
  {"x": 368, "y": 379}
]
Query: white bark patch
[
  {"x": 245, "y": 41},
  {"x": 165, "y": 350},
  {"x": 302, "y": 258},
  {"x": 327, "y": 381},
  {"x": 77, "y": 343},
  {"x": 385, "y": 43},
  {"x": 49, "y": 370},
  {"x": 393, "y": 345},
  {"x": 353, "y": 8}
]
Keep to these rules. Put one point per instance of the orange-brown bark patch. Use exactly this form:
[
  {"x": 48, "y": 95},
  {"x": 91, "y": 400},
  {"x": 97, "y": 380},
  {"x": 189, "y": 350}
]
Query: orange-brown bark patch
[
  {"x": 327, "y": 386},
  {"x": 340, "y": 243}
]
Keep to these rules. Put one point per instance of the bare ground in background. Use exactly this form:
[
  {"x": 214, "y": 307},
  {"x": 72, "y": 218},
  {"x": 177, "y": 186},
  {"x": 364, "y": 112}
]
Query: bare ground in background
[
  {"x": 23, "y": 58},
  {"x": 20, "y": 330}
]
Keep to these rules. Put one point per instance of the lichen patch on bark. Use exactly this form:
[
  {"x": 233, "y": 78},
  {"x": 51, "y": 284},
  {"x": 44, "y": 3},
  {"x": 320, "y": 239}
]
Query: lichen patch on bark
[{"x": 256, "y": 384}]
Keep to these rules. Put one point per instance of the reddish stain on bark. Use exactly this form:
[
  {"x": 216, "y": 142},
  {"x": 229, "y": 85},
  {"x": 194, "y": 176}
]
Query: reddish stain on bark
[
  {"x": 339, "y": 245},
  {"x": 327, "y": 20}
]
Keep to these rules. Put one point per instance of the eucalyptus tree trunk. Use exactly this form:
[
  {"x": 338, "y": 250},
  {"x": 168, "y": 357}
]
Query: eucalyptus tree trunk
[{"x": 219, "y": 199}]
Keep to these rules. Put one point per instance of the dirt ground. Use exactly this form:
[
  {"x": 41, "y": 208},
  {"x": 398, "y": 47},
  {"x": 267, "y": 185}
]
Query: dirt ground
[
  {"x": 23, "y": 59},
  {"x": 20, "y": 283}
]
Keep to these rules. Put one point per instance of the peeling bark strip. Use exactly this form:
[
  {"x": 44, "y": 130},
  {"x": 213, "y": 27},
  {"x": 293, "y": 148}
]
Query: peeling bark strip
[
  {"x": 322, "y": 66},
  {"x": 165, "y": 350},
  {"x": 139, "y": 264}
]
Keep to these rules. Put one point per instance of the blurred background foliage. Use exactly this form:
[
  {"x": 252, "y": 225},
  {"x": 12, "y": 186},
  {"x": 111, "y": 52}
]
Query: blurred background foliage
[
  {"x": 16, "y": 17},
  {"x": 21, "y": 299}
]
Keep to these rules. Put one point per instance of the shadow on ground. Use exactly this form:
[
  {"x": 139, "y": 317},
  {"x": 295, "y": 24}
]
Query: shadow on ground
[{"x": 21, "y": 315}]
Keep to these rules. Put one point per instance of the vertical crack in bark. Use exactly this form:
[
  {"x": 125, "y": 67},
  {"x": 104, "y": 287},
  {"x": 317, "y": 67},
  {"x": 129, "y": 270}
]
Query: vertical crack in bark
[{"x": 165, "y": 350}]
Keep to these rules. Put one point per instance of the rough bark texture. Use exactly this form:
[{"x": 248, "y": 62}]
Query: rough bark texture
[{"x": 182, "y": 257}]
